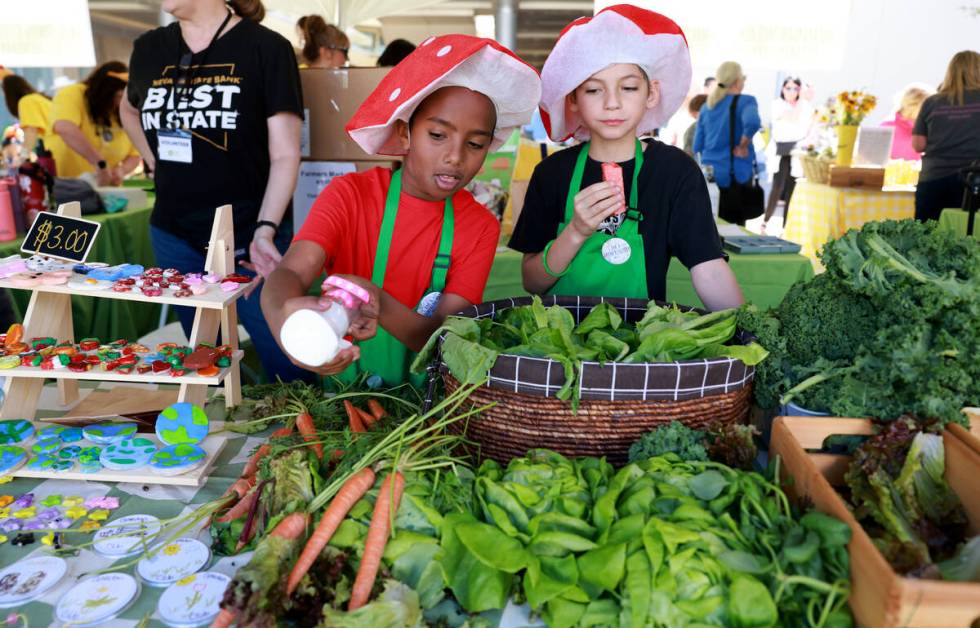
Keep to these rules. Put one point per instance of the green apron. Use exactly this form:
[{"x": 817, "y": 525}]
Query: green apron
[
  {"x": 384, "y": 355},
  {"x": 599, "y": 268}
]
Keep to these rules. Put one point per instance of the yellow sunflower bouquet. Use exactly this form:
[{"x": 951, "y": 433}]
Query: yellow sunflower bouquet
[{"x": 853, "y": 106}]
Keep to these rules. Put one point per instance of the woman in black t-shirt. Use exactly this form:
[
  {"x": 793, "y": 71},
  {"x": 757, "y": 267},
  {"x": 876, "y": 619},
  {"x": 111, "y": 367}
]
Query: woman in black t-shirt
[{"x": 214, "y": 107}]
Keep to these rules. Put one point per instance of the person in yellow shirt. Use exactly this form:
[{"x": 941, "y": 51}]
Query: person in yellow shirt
[
  {"x": 32, "y": 110},
  {"x": 88, "y": 133}
]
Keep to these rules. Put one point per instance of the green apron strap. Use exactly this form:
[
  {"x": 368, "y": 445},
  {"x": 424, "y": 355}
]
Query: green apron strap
[
  {"x": 576, "y": 183},
  {"x": 440, "y": 267},
  {"x": 387, "y": 230}
]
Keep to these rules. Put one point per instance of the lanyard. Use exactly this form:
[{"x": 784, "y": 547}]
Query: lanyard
[
  {"x": 576, "y": 183},
  {"x": 440, "y": 267},
  {"x": 183, "y": 84}
]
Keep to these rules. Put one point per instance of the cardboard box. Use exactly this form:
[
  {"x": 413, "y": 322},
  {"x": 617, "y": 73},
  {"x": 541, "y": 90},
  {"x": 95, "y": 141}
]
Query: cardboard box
[
  {"x": 330, "y": 98},
  {"x": 866, "y": 177}
]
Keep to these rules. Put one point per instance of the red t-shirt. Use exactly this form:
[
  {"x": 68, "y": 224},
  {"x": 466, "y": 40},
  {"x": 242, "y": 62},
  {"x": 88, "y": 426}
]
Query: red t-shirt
[{"x": 346, "y": 218}]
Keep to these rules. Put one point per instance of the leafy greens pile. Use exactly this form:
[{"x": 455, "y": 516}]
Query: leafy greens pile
[
  {"x": 890, "y": 328},
  {"x": 659, "y": 542},
  {"x": 664, "y": 334},
  {"x": 731, "y": 444},
  {"x": 899, "y": 490}
]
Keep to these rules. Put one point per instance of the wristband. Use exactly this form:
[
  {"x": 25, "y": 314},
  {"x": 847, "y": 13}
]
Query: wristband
[
  {"x": 268, "y": 223},
  {"x": 544, "y": 261}
]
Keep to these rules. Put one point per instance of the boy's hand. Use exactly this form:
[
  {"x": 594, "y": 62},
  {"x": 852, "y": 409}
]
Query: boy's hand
[
  {"x": 365, "y": 324},
  {"x": 594, "y": 204},
  {"x": 344, "y": 357}
]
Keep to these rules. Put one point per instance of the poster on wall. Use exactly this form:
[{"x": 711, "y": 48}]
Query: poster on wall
[
  {"x": 47, "y": 33},
  {"x": 313, "y": 177}
]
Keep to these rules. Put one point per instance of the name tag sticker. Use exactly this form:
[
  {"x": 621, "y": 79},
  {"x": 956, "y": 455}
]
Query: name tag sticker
[{"x": 175, "y": 146}]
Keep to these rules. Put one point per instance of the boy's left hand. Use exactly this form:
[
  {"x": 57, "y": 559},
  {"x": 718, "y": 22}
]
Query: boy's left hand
[{"x": 365, "y": 325}]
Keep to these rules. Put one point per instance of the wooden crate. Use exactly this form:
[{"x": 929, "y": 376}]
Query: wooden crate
[
  {"x": 865, "y": 177},
  {"x": 879, "y": 596}
]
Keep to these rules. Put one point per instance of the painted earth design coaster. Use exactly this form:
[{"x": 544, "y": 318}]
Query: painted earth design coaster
[
  {"x": 50, "y": 463},
  {"x": 46, "y": 446},
  {"x": 182, "y": 423},
  {"x": 194, "y": 600},
  {"x": 97, "y": 599},
  {"x": 30, "y": 579},
  {"x": 11, "y": 458},
  {"x": 109, "y": 432},
  {"x": 131, "y": 453},
  {"x": 126, "y": 535},
  {"x": 173, "y": 561},
  {"x": 71, "y": 434},
  {"x": 51, "y": 431},
  {"x": 90, "y": 456},
  {"x": 69, "y": 452},
  {"x": 177, "y": 459},
  {"x": 13, "y": 431}
]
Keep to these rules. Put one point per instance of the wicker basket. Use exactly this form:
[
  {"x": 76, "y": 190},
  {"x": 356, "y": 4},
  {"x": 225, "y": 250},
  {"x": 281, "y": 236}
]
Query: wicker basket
[
  {"x": 816, "y": 169},
  {"x": 619, "y": 402}
]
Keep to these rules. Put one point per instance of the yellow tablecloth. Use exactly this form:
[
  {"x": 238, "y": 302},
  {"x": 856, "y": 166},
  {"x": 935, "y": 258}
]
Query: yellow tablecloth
[{"x": 819, "y": 213}]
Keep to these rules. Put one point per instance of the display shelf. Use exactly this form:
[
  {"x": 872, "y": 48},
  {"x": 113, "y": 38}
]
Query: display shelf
[
  {"x": 97, "y": 374},
  {"x": 213, "y": 445},
  {"x": 215, "y": 298}
]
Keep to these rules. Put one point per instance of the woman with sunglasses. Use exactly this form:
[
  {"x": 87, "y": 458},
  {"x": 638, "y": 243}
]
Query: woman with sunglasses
[
  {"x": 324, "y": 45},
  {"x": 791, "y": 117},
  {"x": 214, "y": 107}
]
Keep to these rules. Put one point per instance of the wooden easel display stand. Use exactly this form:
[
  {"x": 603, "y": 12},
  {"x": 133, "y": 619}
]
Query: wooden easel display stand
[{"x": 49, "y": 315}]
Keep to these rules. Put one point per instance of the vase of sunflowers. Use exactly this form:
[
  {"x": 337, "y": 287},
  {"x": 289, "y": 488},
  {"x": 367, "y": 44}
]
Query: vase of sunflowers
[{"x": 850, "y": 110}]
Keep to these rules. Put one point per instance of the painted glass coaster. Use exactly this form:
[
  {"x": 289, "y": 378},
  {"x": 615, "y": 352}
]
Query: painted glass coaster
[
  {"x": 182, "y": 423},
  {"x": 126, "y": 536},
  {"x": 48, "y": 462},
  {"x": 97, "y": 599},
  {"x": 46, "y": 446},
  {"x": 29, "y": 579},
  {"x": 109, "y": 432},
  {"x": 13, "y": 431},
  {"x": 177, "y": 459},
  {"x": 194, "y": 600},
  {"x": 11, "y": 458},
  {"x": 173, "y": 561},
  {"x": 131, "y": 453}
]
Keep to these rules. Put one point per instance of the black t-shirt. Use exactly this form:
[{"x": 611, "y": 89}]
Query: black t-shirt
[
  {"x": 249, "y": 75},
  {"x": 673, "y": 198}
]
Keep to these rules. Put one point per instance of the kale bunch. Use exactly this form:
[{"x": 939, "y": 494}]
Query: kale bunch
[{"x": 891, "y": 327}]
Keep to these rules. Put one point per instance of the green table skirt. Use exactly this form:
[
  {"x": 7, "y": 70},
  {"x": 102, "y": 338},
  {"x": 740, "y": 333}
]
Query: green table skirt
[
  {"x": 765, "y": 279},
  {"x": 123, "y": 238},
  {"x": 955, "y": 220}
]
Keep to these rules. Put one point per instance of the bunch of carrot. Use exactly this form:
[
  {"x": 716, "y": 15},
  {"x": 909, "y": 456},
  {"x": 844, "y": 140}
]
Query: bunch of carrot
[{"x": 361, "y": 421}]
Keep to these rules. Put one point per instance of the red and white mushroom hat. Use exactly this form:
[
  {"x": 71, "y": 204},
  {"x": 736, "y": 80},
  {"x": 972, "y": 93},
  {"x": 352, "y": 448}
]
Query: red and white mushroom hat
[
  {"x": 618, "y": 34},
  {"x": 481, "y": 65}
]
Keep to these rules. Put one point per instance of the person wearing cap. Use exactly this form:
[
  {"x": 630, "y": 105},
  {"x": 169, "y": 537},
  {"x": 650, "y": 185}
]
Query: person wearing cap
[
  {"x": 610, "y": 79},
  {"x": 88, "y": 135},
  {"x": 413, "y": 238}
]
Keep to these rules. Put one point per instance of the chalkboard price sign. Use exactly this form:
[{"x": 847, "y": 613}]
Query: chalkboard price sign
[{"x": 60, "y": 236}]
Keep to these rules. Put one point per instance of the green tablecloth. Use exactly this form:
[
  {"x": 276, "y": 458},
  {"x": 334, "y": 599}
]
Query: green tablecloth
[
  {"x": 124, "y": 237},
  {"x": 764, "y": 278},
  {"x": 161, "y": 502},
  {"x": 955, "y": 220}
]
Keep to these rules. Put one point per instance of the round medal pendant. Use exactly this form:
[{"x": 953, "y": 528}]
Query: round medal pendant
[
  {"x": 429, "y": 303},
  {"x": 616, "y": 251}
]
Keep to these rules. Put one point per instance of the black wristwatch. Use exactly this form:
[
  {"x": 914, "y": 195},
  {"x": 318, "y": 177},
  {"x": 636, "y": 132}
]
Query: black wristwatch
[
  {"x": 268, "y": 223},
  {"x": 102, "y": 165}
]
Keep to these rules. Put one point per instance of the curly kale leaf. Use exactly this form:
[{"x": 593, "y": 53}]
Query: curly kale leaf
[{"x": 674, "y": 438}]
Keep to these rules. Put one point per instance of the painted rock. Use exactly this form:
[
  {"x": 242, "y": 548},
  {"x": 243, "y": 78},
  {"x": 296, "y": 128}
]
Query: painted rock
[
  {"x": 47, "y": 462},
  {"x": 15, "y": 431},
  {"x": 109, "y": 432},
  {"x": 69, "y": 452},
  {"x": 200, "y": 358},
  {"x": 177, "y": 459},
  {"x": 182, "y": 423},
  {"x": 46, "y": 446},
  {"x": 11, "y": 458},
  {"x": 131, "y": 453},
  {"x": 90, "y": 455}
]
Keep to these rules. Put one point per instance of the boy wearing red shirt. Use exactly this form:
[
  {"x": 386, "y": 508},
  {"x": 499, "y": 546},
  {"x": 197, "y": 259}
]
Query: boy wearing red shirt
[{"x": 415, "y": 239}]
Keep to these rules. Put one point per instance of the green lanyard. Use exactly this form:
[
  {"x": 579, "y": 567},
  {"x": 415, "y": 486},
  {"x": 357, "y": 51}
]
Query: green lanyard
[
  {"x": 576, "y": 183},
  {"x": 440, "y": 267}
]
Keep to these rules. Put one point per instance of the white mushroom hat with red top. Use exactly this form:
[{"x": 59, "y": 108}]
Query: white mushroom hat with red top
[
  {"x": 618, "y": 34},
  {"x": 475, "y": 63}
]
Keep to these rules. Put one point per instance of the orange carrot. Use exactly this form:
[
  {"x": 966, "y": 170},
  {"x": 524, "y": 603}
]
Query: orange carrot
[
  {"x": 304, "y": 423},
  {"x": 377, "y": 410},
  {"x": 241, "y": 508},
  {"x": 224, "y": 619},
  {"x": 367, "y": 419},
  {"x": 352, "y": 490},
  {"x": 253, "y": 463},
  {"x": 291, "y": 526},
  {"x": 240, "y": 487},
  {"x": 354, "y": 419},
  {"x": 385, "y": 508}
]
